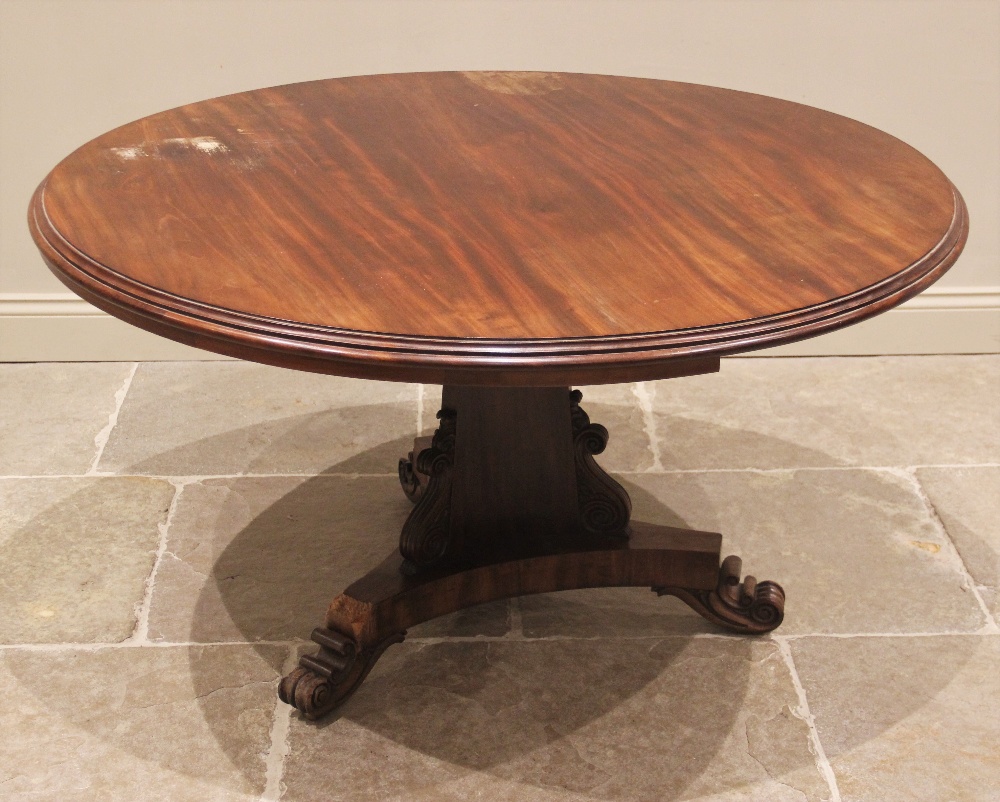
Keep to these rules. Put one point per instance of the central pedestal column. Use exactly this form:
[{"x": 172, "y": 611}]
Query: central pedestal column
[{"x": 508, "y": 468}]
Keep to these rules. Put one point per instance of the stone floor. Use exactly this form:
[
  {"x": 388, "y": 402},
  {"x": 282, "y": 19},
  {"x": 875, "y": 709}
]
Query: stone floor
[{"x": 170, "y": 532}]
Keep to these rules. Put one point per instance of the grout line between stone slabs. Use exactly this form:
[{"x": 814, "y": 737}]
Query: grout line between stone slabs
[
  {"x": 665, "y": 471},
  {"x": 803, "y": 713},
  {"x": 794, "y": 468},
  {"x": 951, "y": 550},
  {"x": 513, "y": 635},
  {"x": 274, "y": 764},
  {"x": 685, "y": 635},
  {"x": 420, "y": 409},
  {"x": 201, "y": 477},
  {"x": 954, "y": 633},
  {"x": 140, "y": 635},
  {"x": 644, "y": 396},
  {"x": 101, "y": 440},
  {"x": 428, "y": 640},
  {"x": 131, "y": 644}
]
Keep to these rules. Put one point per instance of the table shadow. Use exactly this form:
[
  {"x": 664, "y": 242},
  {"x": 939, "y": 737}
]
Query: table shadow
[{"x": 495, "y": 706}]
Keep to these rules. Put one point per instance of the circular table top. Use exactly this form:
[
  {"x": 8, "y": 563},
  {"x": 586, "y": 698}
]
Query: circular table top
[{"x": 495, "y": 228}]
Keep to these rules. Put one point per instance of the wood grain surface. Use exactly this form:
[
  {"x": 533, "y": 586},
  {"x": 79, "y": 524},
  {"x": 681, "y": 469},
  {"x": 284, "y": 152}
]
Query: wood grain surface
[{"x": 496, "y": 228}]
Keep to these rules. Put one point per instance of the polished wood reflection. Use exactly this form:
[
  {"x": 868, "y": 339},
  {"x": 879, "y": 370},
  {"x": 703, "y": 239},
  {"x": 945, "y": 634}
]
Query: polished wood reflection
[{"x": 436, "y": 226}]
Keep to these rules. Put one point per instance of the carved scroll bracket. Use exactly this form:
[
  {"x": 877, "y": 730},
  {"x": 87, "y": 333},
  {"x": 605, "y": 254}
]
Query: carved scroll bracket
[
  {"x": 323, "y": 681},
  {"x": 605, "y": 507},
  {"x": 427, "y": 534},
  {"x": 749, "y": 607}
]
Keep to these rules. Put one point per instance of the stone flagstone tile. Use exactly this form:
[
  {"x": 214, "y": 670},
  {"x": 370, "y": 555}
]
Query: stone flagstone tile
[
  {"x": 75, "y": 555},
  {"x": 614, "y": 406},
  {"x": 968, "y": 502},
  {"x": 195, "y": 418},
  {"x": 907, "y": 719},
  {"x": 173, "y": 724},
  {"x": 260, "y": 558},
  {"x": 856, "y": 551},
  {"x": 563, "y": 720},
  {"x": 50, "y": 414},
  {"x": 867, "y": 411}
]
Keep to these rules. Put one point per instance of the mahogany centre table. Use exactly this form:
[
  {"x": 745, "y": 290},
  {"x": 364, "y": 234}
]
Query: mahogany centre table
[{"x": 507, "y": 235}]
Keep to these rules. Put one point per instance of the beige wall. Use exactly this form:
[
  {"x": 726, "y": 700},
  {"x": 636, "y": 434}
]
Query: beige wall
[{"x": 927, "y": 71}]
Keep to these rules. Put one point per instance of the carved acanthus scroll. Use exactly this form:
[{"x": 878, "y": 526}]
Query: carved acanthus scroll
[
  {"x": 605, "y": 507},
  {"x": 427, "y": 533},
  {"x": 408, "y": 478},
  {"x": 749, "y": 606},
  {"x": 324, "y": 680}
]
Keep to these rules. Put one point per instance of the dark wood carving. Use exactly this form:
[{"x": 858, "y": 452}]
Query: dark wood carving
[
  {"x": 605, "y": 507},
  {"x": 514, "y": 463},
  {"x": 748, "y": 606},
  {"x": 377, "y": 610},
  {"x": 511, "y": 450},
  {"x": 325, "y": 680},
  {"x": 409, "y": 479},
  {"x": 427, "y": 533},
  {"x": 487, "y": 485}
]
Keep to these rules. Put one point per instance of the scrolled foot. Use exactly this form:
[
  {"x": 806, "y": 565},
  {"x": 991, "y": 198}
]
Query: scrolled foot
[
  {"x": 325, "y": 680},
  {"x": 307, "y": 692},
  {"x": 750, "y": 607}
]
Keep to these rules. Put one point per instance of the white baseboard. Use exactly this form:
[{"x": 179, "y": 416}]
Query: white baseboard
[{"x": 59, "y": 327}]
